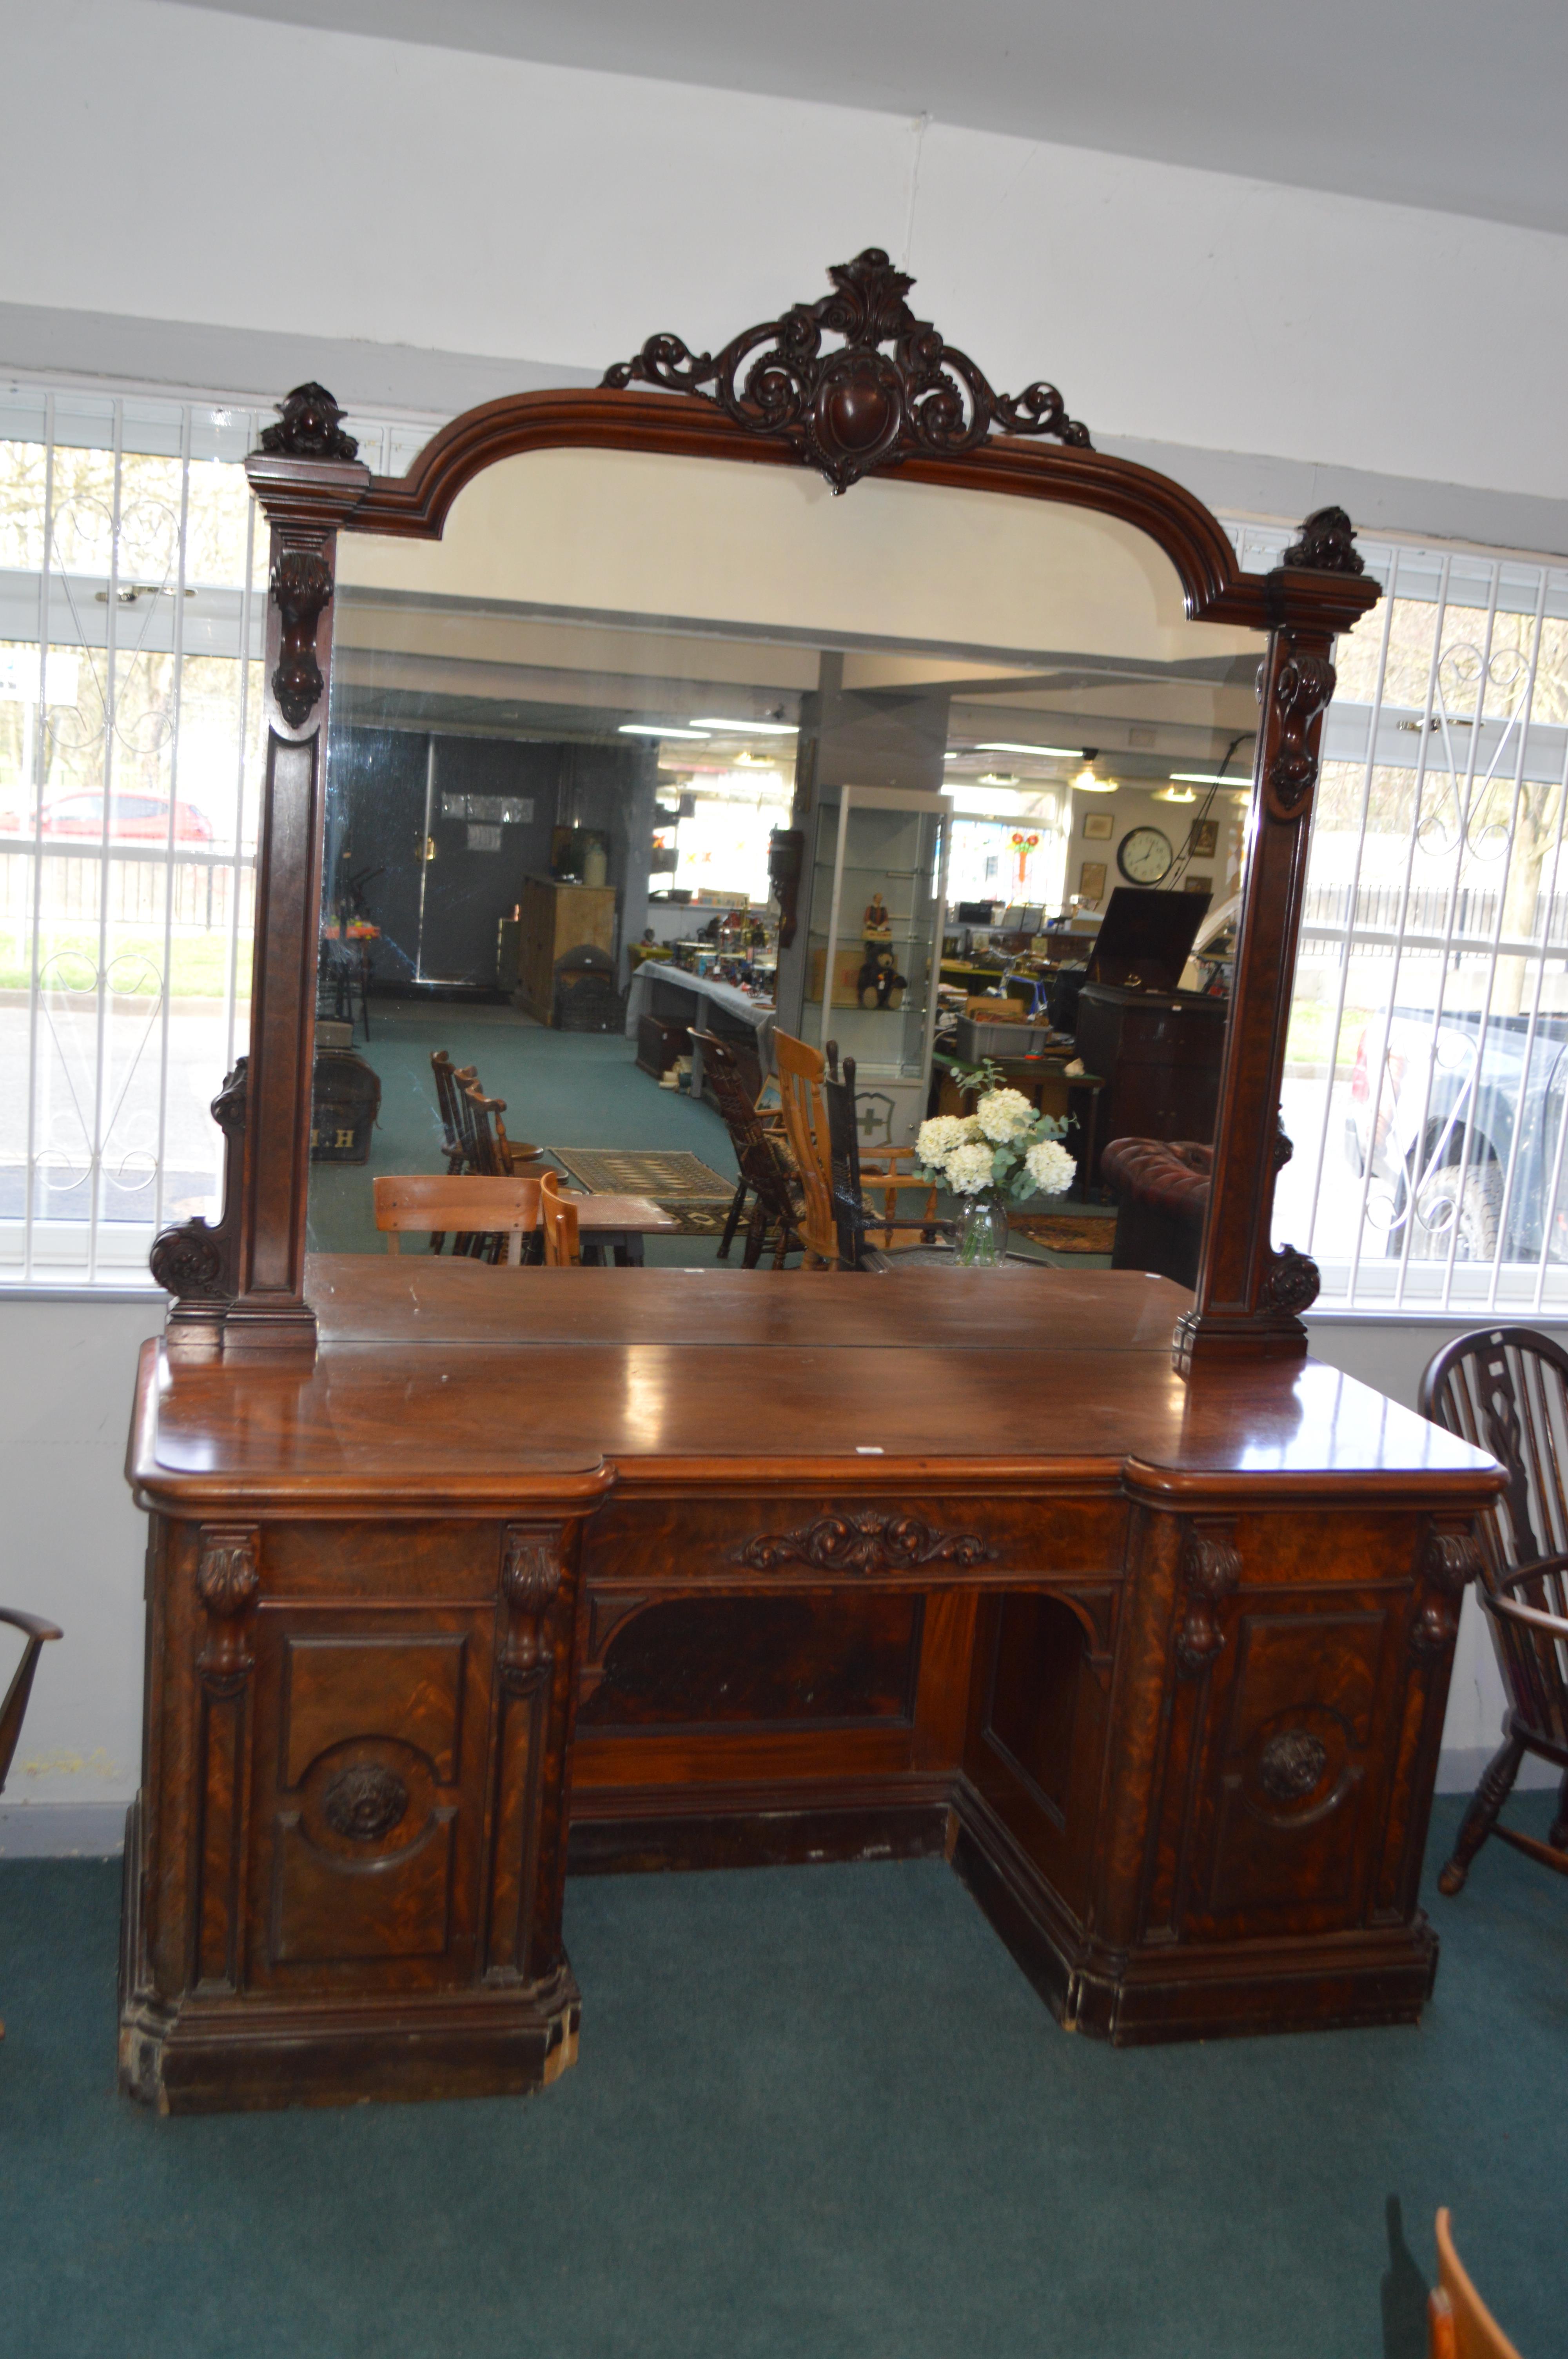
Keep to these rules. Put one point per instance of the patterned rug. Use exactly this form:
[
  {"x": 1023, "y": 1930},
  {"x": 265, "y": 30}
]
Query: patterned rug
[
  {"x": 697, "y": 1196},
  {"x": 1073, "y": 1233}
]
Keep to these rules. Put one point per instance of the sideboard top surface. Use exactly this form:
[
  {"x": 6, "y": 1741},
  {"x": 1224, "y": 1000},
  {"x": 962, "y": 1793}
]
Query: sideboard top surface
[{"x": 448, "y": 1384}]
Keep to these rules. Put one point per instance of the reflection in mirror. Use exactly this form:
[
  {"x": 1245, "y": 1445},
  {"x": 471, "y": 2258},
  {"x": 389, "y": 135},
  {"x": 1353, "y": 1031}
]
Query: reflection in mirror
[{"x": 647, "y": 753}]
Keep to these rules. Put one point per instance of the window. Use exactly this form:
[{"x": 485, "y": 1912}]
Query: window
[{"x": 132, "y": 616}]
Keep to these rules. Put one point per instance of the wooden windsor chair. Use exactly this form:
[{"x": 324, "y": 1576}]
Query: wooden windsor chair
[
  {"x": 1505, "y": 1390},
  {"x": 852, "y": 1221},
  {"x": 764, "y": 1178},
  {"x": 37, "y": 1633}
]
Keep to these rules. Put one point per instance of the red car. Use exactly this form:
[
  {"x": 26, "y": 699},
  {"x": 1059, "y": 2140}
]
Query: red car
[{"x": 133, "y": 817}]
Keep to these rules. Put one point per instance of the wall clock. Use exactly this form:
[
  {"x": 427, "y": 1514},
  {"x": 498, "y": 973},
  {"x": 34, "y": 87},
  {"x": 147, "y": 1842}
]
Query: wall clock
[{"x": 1144, "y": 857}]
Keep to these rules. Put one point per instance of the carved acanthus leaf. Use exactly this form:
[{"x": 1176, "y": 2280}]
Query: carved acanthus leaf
[
  {"x": 1292, "y": 1765},
  {"x": 868, "y": 1543},
  {"x": 857, "y": 408},
  {"x": 531, "y": 1573},
  {"x": 1327, "y": 545},
  {"x": 308, "y": 428},
  {"x": 227, "y": 1575},
  {"x": 1303, "y": 685},
  {"x": 365, "y": 1802}
]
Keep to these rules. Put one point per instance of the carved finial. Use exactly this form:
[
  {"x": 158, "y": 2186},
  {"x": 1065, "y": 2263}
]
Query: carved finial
[
  {"x": 309, "y": 428},
  {"x": 1327, "y": 545},
  {"x": 858, "y": 408}
]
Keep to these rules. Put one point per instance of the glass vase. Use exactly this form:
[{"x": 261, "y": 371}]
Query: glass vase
[{"x": 982, "y": 1231}]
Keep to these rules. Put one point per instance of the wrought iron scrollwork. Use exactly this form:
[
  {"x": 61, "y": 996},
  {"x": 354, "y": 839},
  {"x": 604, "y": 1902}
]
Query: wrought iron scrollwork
[{"x": 855, "y": 408}]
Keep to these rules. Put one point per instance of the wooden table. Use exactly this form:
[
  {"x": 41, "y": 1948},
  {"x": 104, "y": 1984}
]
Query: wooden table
[
  {"x": 616, "y": 1226},
  {"x": 712, "y": 1568}
]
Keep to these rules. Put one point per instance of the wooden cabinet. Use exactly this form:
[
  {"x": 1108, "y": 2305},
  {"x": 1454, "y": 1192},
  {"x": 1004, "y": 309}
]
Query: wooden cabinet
[
  {"x": 556, "y": 918},
  {"x": 1161, "y": 1054}
]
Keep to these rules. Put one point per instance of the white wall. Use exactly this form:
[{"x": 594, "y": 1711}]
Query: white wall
[{"x": 193, "y": 166}]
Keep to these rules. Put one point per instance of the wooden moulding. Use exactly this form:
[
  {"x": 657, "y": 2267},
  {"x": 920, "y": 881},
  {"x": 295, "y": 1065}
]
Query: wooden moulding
[{"x": 892, "y": 394}]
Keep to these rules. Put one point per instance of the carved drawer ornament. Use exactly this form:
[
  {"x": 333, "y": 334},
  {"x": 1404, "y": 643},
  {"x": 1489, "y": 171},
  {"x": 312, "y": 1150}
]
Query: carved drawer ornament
[
  {"x": 869, "y": 1542},
  {"x": 856, "y": 409},
  {"x": 227, "y": 1578},
  {"x": 1292, "y": 1765},
  {"x": 364, "y": 1803},
  {"x": 1211, "y": 1570}
]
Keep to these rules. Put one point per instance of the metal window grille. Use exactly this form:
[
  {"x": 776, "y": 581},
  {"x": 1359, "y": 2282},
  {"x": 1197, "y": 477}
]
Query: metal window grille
[
  {"x": 131, "y": 622},
  {"x": 1426, "y": 1083}
]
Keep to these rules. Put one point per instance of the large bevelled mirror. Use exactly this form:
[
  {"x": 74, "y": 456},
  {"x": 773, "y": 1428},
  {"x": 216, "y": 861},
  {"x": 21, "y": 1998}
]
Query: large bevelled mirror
[{"x": 647, "y": 747}]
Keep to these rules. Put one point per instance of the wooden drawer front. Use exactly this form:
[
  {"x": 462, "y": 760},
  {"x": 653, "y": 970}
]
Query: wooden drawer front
[{"x": 927, "y": 1542}]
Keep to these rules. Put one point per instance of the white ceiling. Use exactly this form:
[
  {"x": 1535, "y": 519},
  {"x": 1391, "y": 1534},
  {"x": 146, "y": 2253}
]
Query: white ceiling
[{"x": 1450, "y": 104}]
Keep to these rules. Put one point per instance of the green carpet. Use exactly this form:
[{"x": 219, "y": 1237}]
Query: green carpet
[
  {"x": 561, "y": 1088},
  {"x": 818, "y": 2114}
]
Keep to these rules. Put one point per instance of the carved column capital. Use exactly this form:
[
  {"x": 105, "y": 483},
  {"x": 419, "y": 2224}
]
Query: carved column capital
[
  {"x": 1211, "y": 1571},
  {"x": 227, "y": 1575},
  {"x": 531, "y": 1571},
  {"x": 1450, "y": 1560}
]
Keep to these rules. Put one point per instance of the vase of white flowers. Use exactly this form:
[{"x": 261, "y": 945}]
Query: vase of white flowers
[{"x": 1004, "y": 1152}]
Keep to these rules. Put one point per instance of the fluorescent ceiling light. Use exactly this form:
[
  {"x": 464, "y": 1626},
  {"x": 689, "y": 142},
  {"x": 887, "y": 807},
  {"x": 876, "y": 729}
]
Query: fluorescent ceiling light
[
  {"x": 1051, "y": 753},
  {"x": 1206, "y": 778},
  {"x": 657, "y": 729},
  {"x": 748, "y": 728}
]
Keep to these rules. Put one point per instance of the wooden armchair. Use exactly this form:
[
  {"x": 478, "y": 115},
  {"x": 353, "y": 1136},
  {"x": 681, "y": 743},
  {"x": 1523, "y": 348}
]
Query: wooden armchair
[
  {"x": 764, "y": 1177},
  {"x": 37, "y": 1633},
  {"x": 490, "y": 1218},
  {"x": 1505, "y": 1389},
  {"x": 802, "y": 1072}
]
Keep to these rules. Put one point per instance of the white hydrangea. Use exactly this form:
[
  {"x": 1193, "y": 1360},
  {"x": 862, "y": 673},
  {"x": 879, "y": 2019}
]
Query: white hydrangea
[
  {"x": 1002, "y": 1114},
  {"x": 938, "y": 1137},
  {"x": 1050, "y": 1167},
  {"x": 969, "y": 1167}
]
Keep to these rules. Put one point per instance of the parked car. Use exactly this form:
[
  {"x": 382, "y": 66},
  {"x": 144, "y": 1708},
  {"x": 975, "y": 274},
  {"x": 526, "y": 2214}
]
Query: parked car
[
  {"x": 133, "y": 819},
  {"x": 1458, "y": 1105}
]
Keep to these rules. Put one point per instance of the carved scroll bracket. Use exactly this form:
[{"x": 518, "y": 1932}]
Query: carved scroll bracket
[
  {"x": 1211, "y": 1571},
  {"x": 530, "y": 1582},
  {"x": 857, "y": 408},
  {"x": 1303, "y": 687},
  {"x": 196, "y": 1262},
  {"x": 1450, "y": 1560},
  {"x": 301, "y": 591}
]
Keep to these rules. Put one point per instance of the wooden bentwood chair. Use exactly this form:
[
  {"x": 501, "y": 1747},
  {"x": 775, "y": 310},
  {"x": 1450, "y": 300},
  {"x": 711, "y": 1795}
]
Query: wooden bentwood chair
[
  {"x": 802, "y": 1072},
  {"x": 764, "y": 1177},
  {"x": 490, "y": 1220},
  {"x": 37, "y": 1633},
  {"x": 1506, "y": 1390},
  {"x": 1458, "y": 2323}
]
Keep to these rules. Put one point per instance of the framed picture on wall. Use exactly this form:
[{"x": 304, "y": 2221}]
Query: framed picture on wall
[
  {"x": 1091, "y": 881},
  {"x": 1097, "y": 827},
  {"x": 1205, "y": 839}
]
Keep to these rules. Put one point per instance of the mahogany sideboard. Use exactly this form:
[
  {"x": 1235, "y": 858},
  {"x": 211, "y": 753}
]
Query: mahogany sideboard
[{"x": 697, "y": 1568}]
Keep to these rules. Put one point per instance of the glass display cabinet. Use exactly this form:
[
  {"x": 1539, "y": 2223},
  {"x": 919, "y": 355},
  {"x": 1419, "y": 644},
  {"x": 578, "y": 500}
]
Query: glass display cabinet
[{"x": 878, "y": 889}]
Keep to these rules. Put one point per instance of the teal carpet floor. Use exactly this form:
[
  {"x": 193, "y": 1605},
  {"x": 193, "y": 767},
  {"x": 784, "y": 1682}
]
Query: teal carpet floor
[
  {"x": 818, "y": 2114},
  {"x": 561, "y": 1089}
]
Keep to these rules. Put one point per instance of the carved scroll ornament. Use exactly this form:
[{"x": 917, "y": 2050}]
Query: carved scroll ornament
[
  {"x": 1292, "y": 1283},
  {"x": 857, "y": 408},
  {"x": 194, "y": 1262},
  {"x": 864, "y": 1543},
  {"x": 228, "y": 1575},
  {"x": 1303, "y": 687},
  {"x": 301, "y": 591},
  {"x": 1211, "y": 1570},
  {"x": 1292, "y": 1765},
  {"x": 364, "y": 1803}
]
